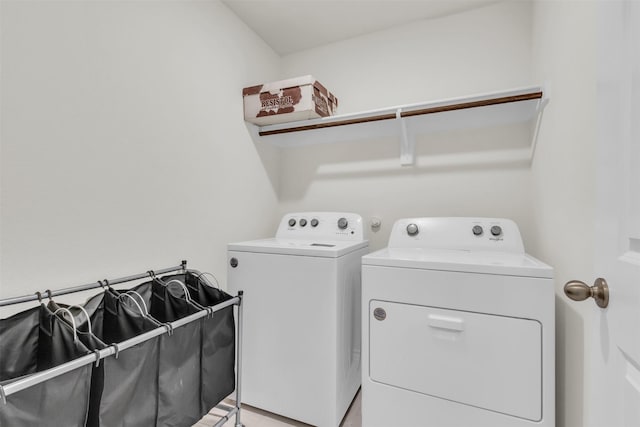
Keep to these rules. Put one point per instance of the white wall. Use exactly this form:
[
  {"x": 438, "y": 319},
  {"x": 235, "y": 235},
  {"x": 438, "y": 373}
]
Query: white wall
[
  {"x": 123, "y": 145},
  {"x": 482, "y": 50},
  {"x": 564, "y": 55}
]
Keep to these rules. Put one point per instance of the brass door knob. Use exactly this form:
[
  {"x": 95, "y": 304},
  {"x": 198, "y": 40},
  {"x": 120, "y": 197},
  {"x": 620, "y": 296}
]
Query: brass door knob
[{"x": 580, "y": 291}]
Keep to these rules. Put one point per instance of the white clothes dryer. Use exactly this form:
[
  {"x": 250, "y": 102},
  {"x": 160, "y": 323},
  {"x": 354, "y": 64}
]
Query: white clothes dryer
[
  {"x": 458, "y": 328},
  {"x": 301, "y": 354}
]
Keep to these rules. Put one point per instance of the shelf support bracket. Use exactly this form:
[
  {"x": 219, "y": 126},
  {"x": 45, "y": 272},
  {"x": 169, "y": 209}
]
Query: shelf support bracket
[
  {"x": 407, "y": 143},
  {"x": 536, "y": 127}
]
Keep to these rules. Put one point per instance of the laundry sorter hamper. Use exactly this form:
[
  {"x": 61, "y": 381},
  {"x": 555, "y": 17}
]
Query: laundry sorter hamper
[{"x": 141, "y": 357}]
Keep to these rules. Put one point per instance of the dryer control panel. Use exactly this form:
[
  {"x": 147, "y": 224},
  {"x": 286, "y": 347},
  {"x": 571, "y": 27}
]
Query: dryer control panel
[
  {"x": 322, "y": 226},
  {"x": 457, "y": 233}
]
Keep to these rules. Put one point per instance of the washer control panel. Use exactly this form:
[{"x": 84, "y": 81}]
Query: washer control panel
[
  {"x": 493, "y": 234},
  {"x": 322, "y": 225}
]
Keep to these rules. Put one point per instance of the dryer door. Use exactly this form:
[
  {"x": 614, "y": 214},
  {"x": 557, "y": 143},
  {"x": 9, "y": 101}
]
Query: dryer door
[{"x": 486, "y": 361}]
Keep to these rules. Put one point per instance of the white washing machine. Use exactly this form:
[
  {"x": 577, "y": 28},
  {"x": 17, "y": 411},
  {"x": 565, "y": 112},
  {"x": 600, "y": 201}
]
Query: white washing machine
[
  {"x": 458, "y": 328},
  {"x": 301, "y": 353}
]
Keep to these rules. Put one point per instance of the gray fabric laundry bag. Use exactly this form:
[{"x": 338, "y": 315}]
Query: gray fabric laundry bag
[
  {"x": 124, "y": 388},
  {"x": 179, "y": 354},
  {"x": 218, "y": 341},
  {"x": 32, "y": 341}
]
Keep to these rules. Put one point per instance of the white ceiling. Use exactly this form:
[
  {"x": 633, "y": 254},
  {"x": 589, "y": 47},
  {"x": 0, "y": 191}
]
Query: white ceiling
[{"x": 292, "y": 25}]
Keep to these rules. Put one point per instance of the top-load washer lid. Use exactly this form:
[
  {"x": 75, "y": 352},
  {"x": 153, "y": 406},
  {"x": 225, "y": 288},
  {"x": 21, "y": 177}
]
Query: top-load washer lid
[
  {"x": 324, "y": 248},
  {"x": 474, "y": 245},
  {"x": 318, "y": 234}
]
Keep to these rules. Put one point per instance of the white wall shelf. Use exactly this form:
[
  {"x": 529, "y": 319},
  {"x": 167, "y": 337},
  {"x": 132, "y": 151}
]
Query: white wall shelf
[{"x": 408, "y": 121}]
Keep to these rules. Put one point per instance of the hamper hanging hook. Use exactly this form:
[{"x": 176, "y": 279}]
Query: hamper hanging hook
[
  {"x": 144, "y": 304},
  {"x": 144, "y": 314},
  {"x": 182, "y": 285},
  {"x": 151, "y": 274},
  {"x": 215, "y": 279},
  {"x": 39, "y": 295},
  {"x": 48, "y": 291},
  {"x": 104, "y": 284},
  {"x": 73, "y": 321},
  {"x": 169, "y": 328},
  {"x": 86, "y": 315}
]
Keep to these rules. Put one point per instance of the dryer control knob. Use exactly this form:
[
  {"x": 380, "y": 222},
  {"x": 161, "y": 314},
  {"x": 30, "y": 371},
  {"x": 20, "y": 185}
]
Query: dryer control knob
[
  {"x": 379, "y": 314},
  {"x": 292, "y": 222},
  {"x": 412, "y": 229},
  {"x": 303, "y": 222},
  {"x": 477, "y": 230},
  {"x": 314, "y": 222},
  {"x": 496, "y": 230},
  {"x": 343, "y": 223}
]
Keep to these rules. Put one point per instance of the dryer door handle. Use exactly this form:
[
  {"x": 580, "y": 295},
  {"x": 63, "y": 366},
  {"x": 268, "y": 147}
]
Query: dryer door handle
[{"x": 446, "y": 322}]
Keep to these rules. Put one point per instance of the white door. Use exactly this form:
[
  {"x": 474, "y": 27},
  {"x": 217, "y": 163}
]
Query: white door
[{"x": 613, "y": 382}]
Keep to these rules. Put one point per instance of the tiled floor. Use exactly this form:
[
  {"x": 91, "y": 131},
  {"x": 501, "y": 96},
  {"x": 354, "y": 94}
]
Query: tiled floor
[{"x": 253, "y": 417}]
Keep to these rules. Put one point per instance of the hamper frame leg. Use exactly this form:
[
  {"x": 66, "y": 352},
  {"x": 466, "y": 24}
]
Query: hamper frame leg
[
  {"x": 239, "y": 363},
  {"x": 235, "y": 411}
]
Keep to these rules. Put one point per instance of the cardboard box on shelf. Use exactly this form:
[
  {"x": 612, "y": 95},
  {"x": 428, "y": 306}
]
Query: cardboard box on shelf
[{"x": 288, "y": 100}]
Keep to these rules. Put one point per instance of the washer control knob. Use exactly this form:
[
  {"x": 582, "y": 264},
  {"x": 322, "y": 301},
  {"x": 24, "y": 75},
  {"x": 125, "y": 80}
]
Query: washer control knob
[
  {"x": 412, "y": 229},
  {"x": 314, "y": 222},
  {"x": 343, "y": 223},
  {"x": 303, "y": 222},
  {"x": 496, "y": 230},
  {"x": 477, "y": 230},
  {"x": 292, "y": 222}
]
